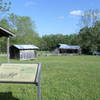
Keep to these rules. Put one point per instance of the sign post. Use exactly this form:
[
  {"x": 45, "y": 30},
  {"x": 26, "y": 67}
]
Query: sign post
[{"x": 22, "y": 74}]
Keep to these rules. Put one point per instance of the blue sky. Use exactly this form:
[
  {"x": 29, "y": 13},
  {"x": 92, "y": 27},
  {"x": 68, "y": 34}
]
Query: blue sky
[{"x": 54, "y": 16}]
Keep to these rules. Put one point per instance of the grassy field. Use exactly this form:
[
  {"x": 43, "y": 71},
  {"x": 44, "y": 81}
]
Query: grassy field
[{"x": 63, "y": 78}]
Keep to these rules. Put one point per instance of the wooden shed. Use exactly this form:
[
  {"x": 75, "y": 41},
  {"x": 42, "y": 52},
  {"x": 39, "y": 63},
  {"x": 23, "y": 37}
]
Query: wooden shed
[
  {"x": 23, "y": 52},
  {"x": 68, "y": 49}
]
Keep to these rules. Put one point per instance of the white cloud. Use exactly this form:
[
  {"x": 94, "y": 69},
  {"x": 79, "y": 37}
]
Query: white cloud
[
  {"x": 76, "y": 12},
  {"x": 30, "y": 4},
  {"x": 61, "y": 17}
]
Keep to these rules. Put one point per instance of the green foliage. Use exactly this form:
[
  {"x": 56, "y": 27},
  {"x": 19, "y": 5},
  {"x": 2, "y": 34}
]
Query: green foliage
[
  {"x": 51, "y": 41},
  {"x": 21, "y": 24},
  {"x": 89, "y": 38},
  {"x": 4, "y": 5},
  {"x": 3, "y": 40},
  {"x": 4, "y": 23},
  {"x": 73, "y": 39},
  {"x": 85, "y": 39},
  {"x": 3, "y": 45},
  {"x": 23, "y": 27}
]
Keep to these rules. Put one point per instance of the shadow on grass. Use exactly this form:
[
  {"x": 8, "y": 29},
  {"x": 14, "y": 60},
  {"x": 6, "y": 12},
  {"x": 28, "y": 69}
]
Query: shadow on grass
[{"x": 7, "y": 96}]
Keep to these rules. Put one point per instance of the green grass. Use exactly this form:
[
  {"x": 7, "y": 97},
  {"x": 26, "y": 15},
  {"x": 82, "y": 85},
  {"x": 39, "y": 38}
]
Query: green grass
[{"x": 63, "y": 78}]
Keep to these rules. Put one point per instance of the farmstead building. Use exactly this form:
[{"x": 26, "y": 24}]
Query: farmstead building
[
  {"x": 68, "y": 49},
  {"x": 23, "y": 52}
]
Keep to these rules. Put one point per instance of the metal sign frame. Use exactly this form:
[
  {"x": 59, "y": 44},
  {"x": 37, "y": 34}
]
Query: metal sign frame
[{"x": 36, "y": 82}]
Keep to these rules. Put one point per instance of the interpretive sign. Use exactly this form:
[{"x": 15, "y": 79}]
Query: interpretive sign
[{"x": 21, "y": 73}]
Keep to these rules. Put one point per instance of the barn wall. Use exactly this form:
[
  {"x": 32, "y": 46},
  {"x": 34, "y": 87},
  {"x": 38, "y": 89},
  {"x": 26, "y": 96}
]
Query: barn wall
[
  {"x": 14, "y": 53},
  {"x": 70, "y": 51},
  {"x": 27, "y": 54}
]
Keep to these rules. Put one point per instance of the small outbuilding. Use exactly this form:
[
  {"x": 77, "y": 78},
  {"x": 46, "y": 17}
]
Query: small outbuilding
[
  {"x": 68, "y": 49},
  {"x": 23, "y": 52}
]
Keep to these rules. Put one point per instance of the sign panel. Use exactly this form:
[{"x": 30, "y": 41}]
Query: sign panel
[{"x": 18, "y": 72}]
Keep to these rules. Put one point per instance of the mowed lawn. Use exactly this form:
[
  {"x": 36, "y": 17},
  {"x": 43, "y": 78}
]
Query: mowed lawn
[{"x": 62, "y": 78}]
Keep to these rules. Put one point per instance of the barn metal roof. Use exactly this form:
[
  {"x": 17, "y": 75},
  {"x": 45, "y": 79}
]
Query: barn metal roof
[
  {"x": 6, "y": 33},
  {"x": 26, "y": 47},
  {"x": 65, "y": 46}
]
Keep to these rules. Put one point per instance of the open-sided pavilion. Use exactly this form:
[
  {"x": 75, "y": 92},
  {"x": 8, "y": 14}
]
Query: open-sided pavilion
[{"x": 8, "y": 34}]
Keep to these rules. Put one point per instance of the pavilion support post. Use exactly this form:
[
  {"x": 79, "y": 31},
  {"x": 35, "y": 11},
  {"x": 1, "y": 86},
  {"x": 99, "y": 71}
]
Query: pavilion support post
[{"x": 8, "y": 44}]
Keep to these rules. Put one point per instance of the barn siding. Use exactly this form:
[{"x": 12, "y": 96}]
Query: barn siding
[
  {"x": 23, "y": 52},
  {"x": 27, "y": 54}
]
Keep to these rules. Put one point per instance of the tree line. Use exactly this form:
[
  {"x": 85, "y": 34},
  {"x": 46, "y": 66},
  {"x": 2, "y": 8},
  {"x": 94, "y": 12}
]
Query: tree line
[{"x": 88, "y": 37}]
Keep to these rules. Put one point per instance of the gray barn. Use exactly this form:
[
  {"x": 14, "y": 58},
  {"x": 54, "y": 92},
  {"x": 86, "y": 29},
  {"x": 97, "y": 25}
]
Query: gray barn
[
  {"x": 23, "y": 52},
  {"x": 68, "y": 49}
]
